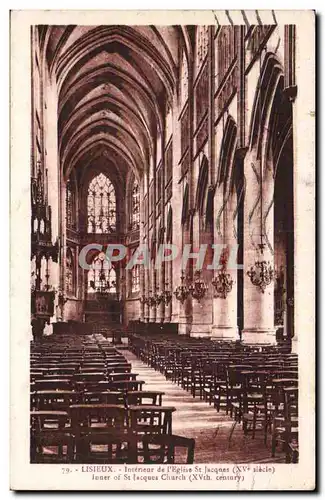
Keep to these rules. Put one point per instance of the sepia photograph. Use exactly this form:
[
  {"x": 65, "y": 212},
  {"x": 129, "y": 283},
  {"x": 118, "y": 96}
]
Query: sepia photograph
[{"x": 168, "y": 223}]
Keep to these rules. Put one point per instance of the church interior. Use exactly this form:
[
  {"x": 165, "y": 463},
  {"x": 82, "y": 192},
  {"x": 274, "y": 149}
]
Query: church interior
[{"x": 182, "y": 138}]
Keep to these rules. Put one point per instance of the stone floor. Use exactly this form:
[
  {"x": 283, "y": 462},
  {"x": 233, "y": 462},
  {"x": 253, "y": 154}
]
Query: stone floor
[{"x": 211, "y": 430}]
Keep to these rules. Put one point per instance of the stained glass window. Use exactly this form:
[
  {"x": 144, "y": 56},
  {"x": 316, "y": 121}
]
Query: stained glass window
[
  {"x": 70, "y": 205},
  {"x": 101, "y": 205},
  {"x": 69, "y": 272},
  {"x": 101, "y": 276},
  {"x": 135, "y": 206},
  {"x": 136, "y": 279}
]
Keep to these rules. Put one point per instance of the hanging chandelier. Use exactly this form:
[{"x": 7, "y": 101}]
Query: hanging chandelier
[
  {"x": 151, "y": 299},
  {"x": 222, "y": 284},
  {"x": 167, "y": 296},
  {"x": 198, "y": 288},
  {"x": 223, "y": 281},
  {"x": 158, "y": 297},
  {"x": 182, "y": 291},
  {"x": 261, "y": 274}
]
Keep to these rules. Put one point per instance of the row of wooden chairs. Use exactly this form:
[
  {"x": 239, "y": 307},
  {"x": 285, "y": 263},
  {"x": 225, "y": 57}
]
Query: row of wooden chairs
[
  {"x": 62, "y": 400},
  {"x": 251, "y": 383},
  {"x": 88, "y": 407},
  {"x": 116, "y": 448},
  {"x": 80, "y": 434}
]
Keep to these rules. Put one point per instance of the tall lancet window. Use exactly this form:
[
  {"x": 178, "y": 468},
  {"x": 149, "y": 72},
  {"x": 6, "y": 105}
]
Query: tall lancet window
[
  {"x": 101, "y": 205},
  {"x": 135, "y": 279},
  {"x": 70, "y": 273},
  {"x": 135, "y": 206},
  {"x": 70, "y": 205}
]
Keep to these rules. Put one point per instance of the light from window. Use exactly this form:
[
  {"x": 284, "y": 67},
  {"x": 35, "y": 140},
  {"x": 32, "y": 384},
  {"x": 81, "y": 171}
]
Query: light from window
[
  {"x": 101, "y": 276},
  {"x": 135, "y": 206},
  {"x": 135, "y": 279},
  {"x": 69, "y": 272},
  {"x": 70, "y": 205},
  {"x": 101, "y": 204}
]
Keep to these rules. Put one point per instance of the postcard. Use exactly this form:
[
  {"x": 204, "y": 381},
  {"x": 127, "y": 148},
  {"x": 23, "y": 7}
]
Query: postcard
[{"x": 162, "y": 250}]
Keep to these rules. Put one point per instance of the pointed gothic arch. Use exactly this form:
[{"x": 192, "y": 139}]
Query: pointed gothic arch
[{"x": 271, "y": 72}]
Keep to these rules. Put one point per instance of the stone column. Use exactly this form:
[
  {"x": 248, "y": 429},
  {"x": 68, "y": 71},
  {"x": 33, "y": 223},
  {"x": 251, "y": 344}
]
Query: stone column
[
  {"x": 161, "y": 269},
  {"x": 185, "y": 309},
  {"x": 258, "y": 303},
  {"x": 142, "y": 292},
  {"x": 147, "y": 287},
  {"x": 202, "y": 310},
  {"x": 225, "y": 307},
  {"x": 176, "y": 203},
  {"x": 152, "y": 291},
  {"x": 169, "y": 278},
  {"x": 161, "y": 288},
  {"x": 52, "y": 164},
  {"x": 304, "y": 195}
]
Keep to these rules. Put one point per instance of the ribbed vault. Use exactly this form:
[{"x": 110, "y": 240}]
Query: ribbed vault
[{"x": 113, "y": 84}]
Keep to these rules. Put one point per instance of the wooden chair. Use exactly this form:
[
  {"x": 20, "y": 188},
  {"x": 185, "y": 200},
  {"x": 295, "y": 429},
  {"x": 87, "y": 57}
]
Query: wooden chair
[
  {"x": 89, "y": 377},
  {"x": 52, "y": 384},
  {"x": 54, "y": 376},
  {"x": 51, "y": 440},
  {"x": 103, "y": 397},
  {"x": 92, "y": 370},
  {"x": 285, "y": 425},
  {"x": 36, "y": 375},
  {"x": 100, "y": 417},
  {"x": 151, "y": 419},
  {"x": 88, "y": 420},
  {"x": 163, "y": 449},
  {"x": 99, "y": 365},
  {"x": 118, "y": 368},
  {"x": 218, "y": 378},
  {"x": 115, "y": 377},
  {"x": 126, "y": 385},
  {"x": 60, "y": 370},
  {"x": 152, "y": 398},
  {"x": 53, "y": 400},
  {"x": 113, "y": 447},
  {"x": 197, "y": 377},
  {"x": 254, "y": 405}
]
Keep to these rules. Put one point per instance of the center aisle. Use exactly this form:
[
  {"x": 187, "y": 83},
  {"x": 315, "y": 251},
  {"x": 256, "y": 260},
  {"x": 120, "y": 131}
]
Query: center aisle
[{"x": 196, "y": 419}]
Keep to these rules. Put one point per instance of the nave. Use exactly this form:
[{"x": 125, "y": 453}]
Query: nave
[
  {"x": 166, "y": 212},
  {"x": 161, "y": 400}
]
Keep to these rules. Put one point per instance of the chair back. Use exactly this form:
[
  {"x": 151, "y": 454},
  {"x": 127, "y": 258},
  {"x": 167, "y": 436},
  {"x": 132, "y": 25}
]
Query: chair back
[{"x": 165, "y": 449}]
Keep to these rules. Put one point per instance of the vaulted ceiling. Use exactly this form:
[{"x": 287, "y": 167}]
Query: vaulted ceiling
[{"x": 113, "y": 83}]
